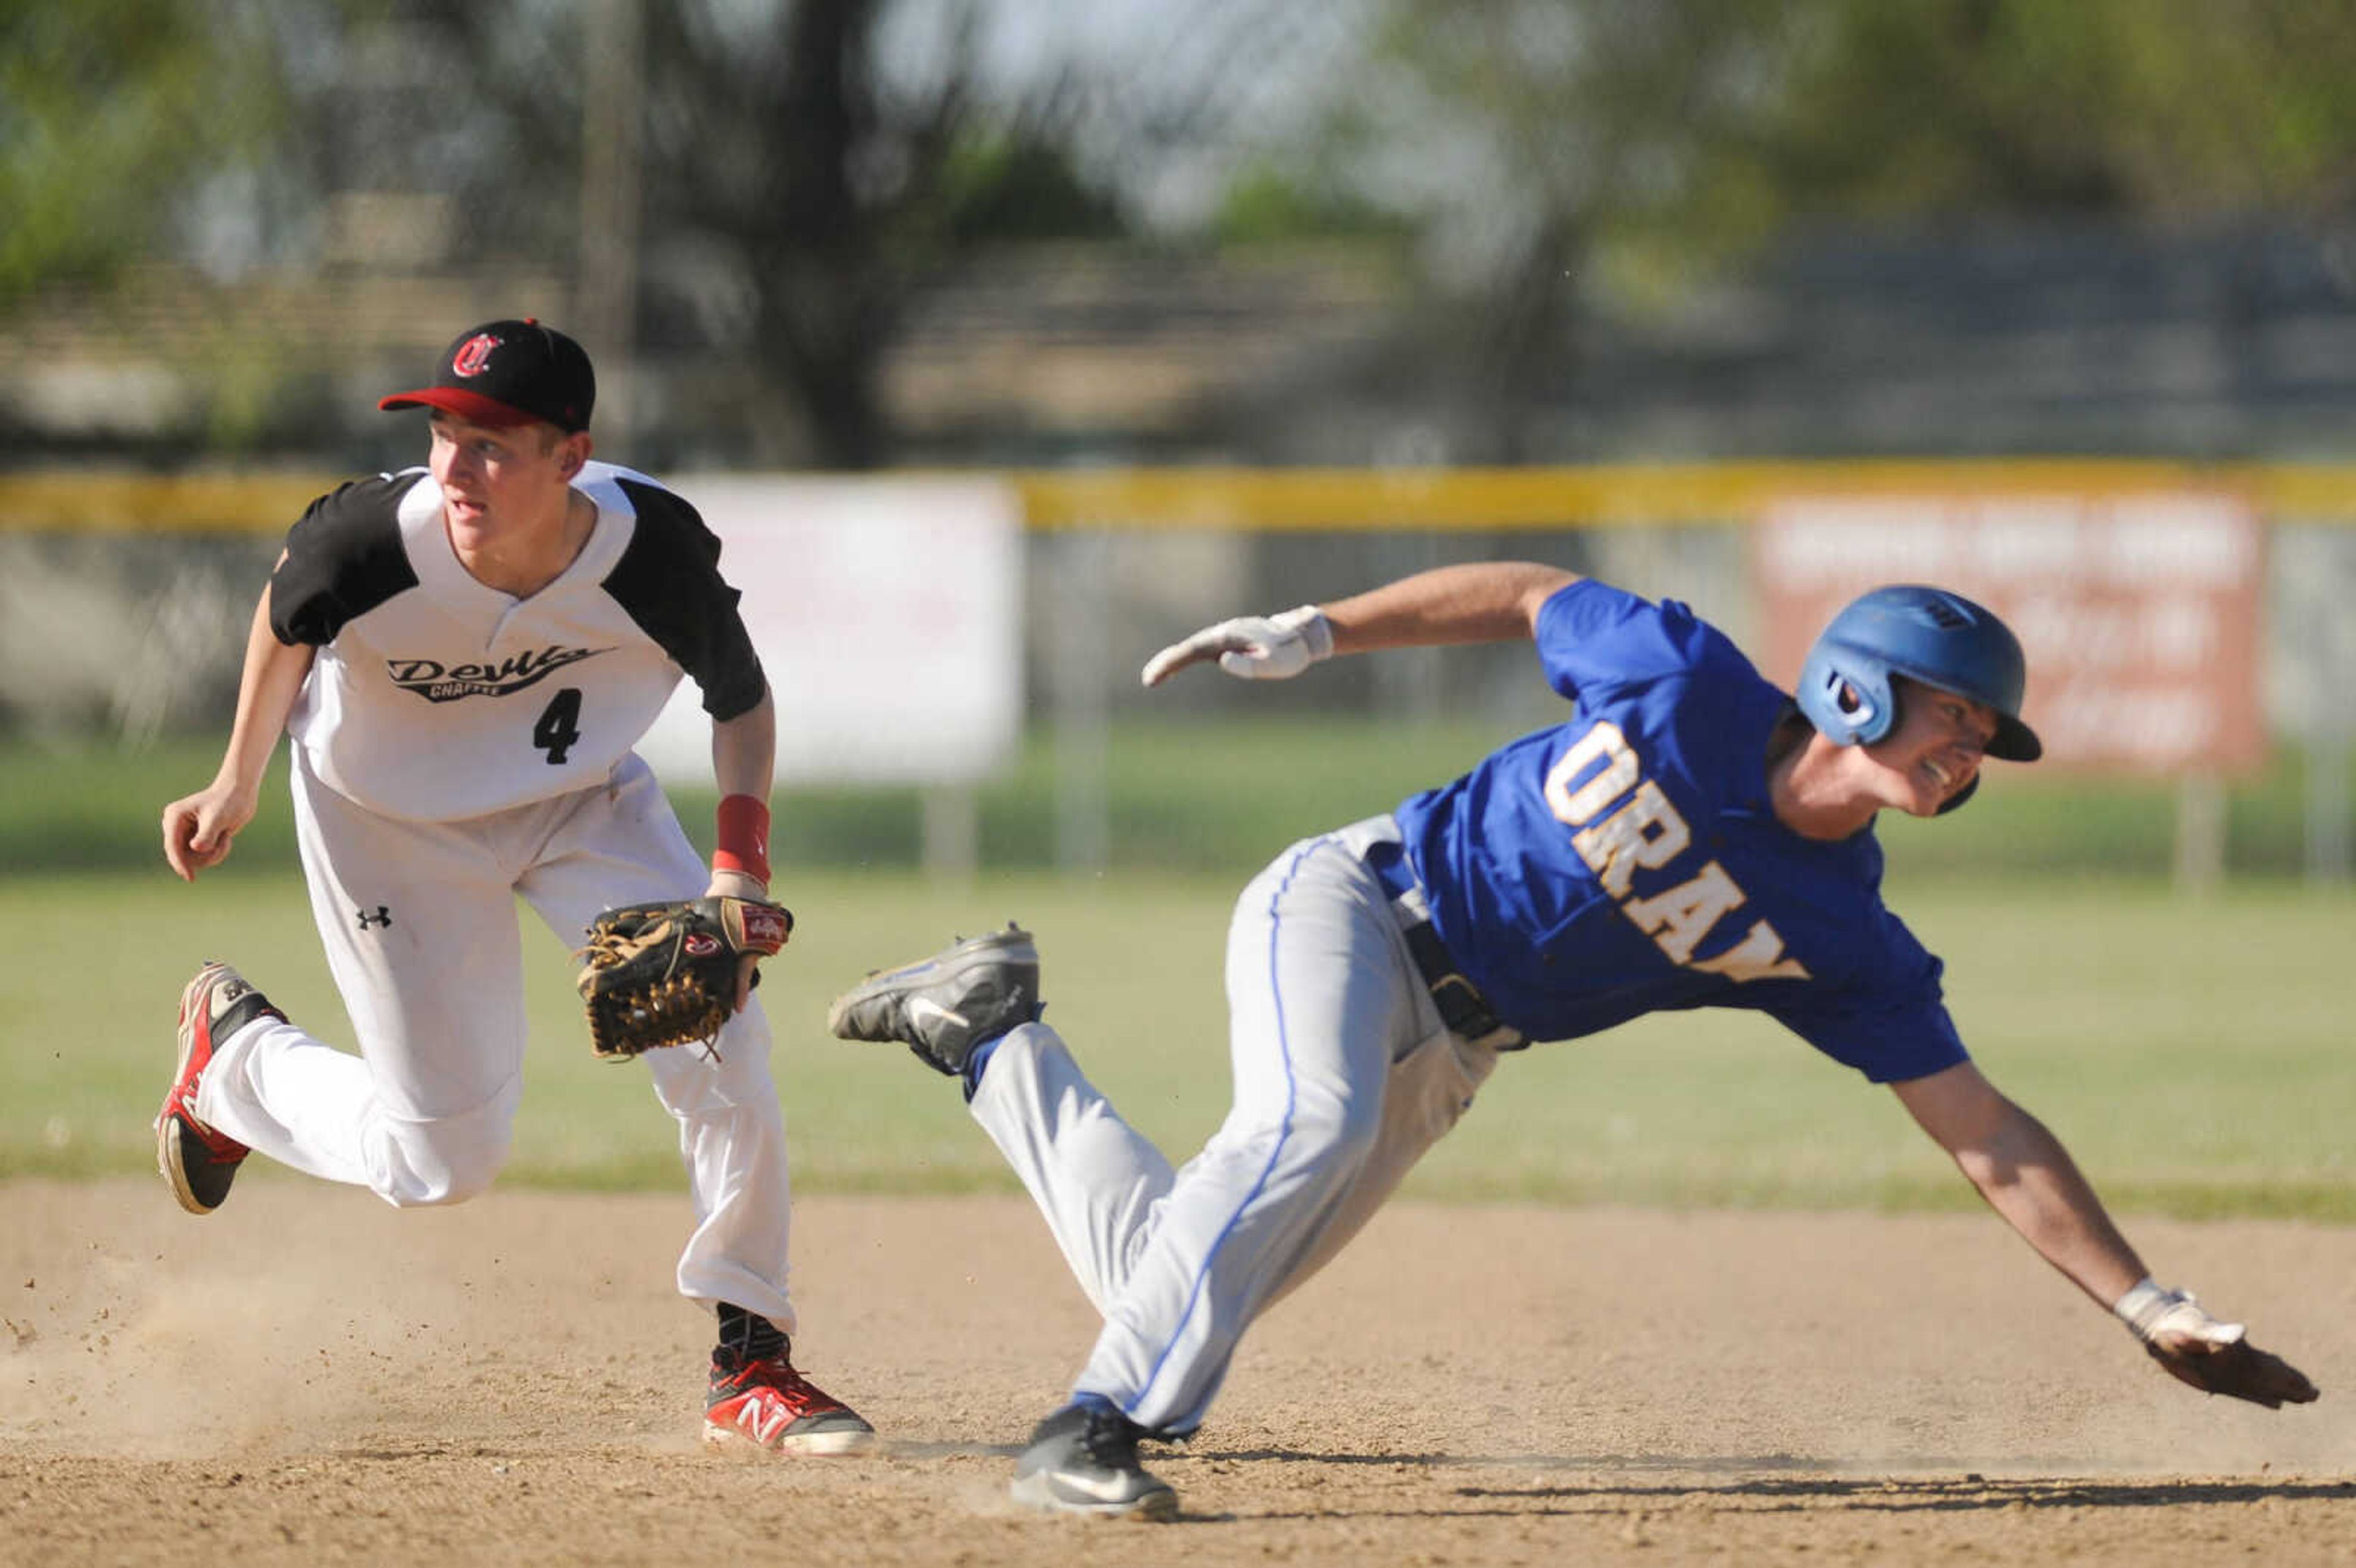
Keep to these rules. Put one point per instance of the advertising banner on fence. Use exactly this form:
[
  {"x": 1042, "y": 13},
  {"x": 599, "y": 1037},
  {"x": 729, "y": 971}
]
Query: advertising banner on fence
[
  {"x": 888, "y": 613},
  {"x": 2138, "y": 612}
]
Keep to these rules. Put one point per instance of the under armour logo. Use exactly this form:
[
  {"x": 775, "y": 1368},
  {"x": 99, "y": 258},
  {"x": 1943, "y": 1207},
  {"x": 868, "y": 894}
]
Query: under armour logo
[{"x": 383, "y": 916}]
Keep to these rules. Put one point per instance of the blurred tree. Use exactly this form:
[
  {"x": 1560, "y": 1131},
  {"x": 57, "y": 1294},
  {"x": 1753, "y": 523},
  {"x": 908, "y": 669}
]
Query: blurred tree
[
  {"x": 1521, "y": 138},
  {"x": 776, "y": 154},
  {"x": 1004, "y": 189},
  {"x": 1262, "y": 204},
  {"x": 1549, "y": 151},
  {"x": 794, "y": 183},
  {"x": 109, "y": 110},
  {"x": 802, "y": 165},
  {"x": 819, "y": 160},
  {"x": 791, "y": 170},
  {"x": 2166, "y": 109},
  {"x": 794, "y": 180}
]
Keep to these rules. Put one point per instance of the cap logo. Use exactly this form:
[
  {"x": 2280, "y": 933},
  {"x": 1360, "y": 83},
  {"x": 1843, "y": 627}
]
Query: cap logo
[{"x": 474, "y": 355}]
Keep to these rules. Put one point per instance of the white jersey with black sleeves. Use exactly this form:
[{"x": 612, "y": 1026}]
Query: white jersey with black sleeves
[{"x": 434, "y": 697}]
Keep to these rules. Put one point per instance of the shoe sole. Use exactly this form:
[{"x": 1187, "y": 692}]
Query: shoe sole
[
  {"x": 813, "y": 1445},
  {"x": 1038, "y": 1492},
  {"x": 167, "y": 1140}
]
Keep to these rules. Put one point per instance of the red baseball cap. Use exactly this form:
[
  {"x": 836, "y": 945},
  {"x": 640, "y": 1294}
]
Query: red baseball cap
[{"x": 508, "y": 373}]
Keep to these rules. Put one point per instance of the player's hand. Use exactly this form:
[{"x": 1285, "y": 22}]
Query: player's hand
[
  {"x": 2214, "y": 1356},
  {"x": 198, "y": 828},
  {"x": 1251, "y": 647},
  {"x": 739, "y": 885}
]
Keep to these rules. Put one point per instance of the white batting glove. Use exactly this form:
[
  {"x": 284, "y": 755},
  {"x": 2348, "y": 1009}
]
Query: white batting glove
[
  {"x": 2172, "y": 1320},
  {"x": 1251, "y": 647}
]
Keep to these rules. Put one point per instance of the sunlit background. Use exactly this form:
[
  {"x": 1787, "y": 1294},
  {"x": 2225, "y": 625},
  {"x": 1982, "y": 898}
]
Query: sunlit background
[{"x": 1223, "y": 306}]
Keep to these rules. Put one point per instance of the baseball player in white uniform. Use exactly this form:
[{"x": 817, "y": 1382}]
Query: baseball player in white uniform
[
  {"x": 464, "y": 654},
  {"x": 1689, "y": 836}
]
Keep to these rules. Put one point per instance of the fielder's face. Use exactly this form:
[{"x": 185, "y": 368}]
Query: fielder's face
[
  {"x": 1935, "y": 750},
  {"x": 500, "y": 483}
]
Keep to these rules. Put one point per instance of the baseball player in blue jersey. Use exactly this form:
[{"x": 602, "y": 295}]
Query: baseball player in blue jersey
[
  {"x": 464, "y": 654},
  {"x": 1689, "y": 836}
]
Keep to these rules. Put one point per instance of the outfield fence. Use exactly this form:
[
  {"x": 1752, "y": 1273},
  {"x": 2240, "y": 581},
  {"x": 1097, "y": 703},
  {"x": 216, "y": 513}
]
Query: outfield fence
[{"x": 123, "y": 597}]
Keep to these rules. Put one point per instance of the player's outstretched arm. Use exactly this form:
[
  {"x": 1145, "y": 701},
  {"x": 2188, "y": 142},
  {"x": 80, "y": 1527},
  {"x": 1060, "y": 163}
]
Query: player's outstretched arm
[
  {"x": 1480, "y": 602},
  {"x": 2026, "y": 1176},
  {"x": 198, "y": 828}
]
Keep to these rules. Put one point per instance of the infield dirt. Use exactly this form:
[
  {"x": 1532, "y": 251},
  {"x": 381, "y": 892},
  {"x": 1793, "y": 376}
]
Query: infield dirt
[{"x": 309, "y": 1377}]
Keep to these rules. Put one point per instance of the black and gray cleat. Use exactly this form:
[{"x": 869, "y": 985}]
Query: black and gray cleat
[
  {"x": 942, "y": 1007},
  {"x": 1083, "y": 1460}
]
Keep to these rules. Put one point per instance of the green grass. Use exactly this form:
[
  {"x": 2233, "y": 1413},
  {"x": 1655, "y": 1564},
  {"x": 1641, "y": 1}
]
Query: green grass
[
  {"x": 1219, "y": 797},
  {"x": 2192, "y": 1052}
]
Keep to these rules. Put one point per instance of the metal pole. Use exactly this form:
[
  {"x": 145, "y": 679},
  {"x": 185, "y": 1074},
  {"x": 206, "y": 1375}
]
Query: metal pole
[
  {"x": 2199, "y": 832},
  {"x": 952, "y": 832},
  {"x": 2333, "y": 651},
  {"x": 1080, "y": 699},
  {"x": 610, "y": 121},
  {"x": 2327, "y": 809}
]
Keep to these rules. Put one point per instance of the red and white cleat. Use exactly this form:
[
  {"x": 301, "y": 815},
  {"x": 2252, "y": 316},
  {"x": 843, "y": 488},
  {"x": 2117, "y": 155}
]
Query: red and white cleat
[
  {"x": 766, "y": 1403},
  {"x": 198, "y": 1161}
]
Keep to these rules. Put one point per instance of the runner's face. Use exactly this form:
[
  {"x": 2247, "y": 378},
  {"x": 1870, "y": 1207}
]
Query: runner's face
[
  {"x": 497, "y": 480},
  {"x": 1935, "y": 750}
]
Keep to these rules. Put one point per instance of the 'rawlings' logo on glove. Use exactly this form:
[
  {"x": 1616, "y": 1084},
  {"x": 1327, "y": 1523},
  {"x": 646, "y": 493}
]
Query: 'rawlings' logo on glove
[{"x": 660, "y": 975}]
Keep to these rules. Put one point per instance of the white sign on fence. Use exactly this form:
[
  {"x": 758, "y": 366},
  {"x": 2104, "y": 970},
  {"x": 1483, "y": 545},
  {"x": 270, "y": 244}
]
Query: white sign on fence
[{"x": 888, "y": 613}]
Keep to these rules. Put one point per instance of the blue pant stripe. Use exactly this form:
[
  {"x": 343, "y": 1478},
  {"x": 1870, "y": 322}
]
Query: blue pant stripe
[{"x": 1284, "y": 1133}]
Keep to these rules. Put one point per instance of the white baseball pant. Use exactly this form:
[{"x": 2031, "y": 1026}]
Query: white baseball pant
[
  {"x": 1345, "y": 1077},
  {"x": 419, "y": 923}
]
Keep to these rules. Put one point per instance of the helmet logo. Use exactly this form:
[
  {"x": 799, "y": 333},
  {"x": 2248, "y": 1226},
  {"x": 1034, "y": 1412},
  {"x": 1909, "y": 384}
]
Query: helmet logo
[{"x": 474, "y": 355}]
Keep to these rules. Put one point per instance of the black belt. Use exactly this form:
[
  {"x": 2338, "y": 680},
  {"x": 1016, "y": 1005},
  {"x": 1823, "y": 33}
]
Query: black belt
[{"x": 1462, "y": 1007}]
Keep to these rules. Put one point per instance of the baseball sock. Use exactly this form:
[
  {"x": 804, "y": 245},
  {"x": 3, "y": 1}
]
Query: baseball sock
[
  {"x": 749, "y": 1337},
  {"x": 976, "y": 1060}
]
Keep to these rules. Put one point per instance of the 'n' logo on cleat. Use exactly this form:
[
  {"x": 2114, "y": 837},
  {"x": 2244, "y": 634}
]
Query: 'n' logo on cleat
[{"x": 763, "y": 1419}]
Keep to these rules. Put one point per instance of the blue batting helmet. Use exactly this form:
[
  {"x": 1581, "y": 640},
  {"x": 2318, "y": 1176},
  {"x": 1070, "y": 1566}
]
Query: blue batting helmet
[{"x": 1929, "y": 635}]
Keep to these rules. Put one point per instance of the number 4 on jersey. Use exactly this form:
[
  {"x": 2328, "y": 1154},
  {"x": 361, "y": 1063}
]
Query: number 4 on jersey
[{"x": 559, "y": 728}]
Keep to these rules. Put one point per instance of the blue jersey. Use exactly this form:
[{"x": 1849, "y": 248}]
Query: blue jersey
[{"x": 1628, "y": 861}]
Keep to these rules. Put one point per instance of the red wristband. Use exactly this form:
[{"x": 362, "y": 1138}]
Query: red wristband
[{"x": 744, "y": 837}]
